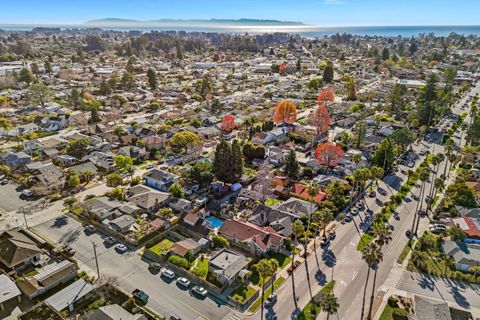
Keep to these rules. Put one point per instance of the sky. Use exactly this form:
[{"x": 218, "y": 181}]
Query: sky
[{"x": 315, "y": 12}]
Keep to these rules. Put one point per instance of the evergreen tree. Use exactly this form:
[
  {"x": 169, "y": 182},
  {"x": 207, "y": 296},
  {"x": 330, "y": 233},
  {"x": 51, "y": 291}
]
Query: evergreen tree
[
  {"x": 221, "y": 161},
  {"x": 299, "y": 64},
  {"x": 94, "y": 116},
  {"x": 236, "y": 160},
  {"x": 105, "y": 88},
  {"x": 328, "y": 73},
  {"x": 385, "y": 54},
  {"x": 291, "y": 164},
  {"x": 152, "y": 79}
]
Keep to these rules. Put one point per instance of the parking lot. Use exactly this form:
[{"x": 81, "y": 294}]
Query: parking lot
[
  {"x": 130, "y": 272},
  {"x": 10, "y": 197}
]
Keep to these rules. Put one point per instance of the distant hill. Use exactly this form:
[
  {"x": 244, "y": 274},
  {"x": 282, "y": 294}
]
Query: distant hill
[{"x": 181, "y": 22}]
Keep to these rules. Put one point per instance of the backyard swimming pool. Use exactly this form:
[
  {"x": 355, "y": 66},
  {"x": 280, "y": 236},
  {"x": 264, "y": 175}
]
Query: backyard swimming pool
[{"x": 215, "y": 222}]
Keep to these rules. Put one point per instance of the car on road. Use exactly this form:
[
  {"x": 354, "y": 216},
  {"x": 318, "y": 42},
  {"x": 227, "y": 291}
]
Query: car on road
[
  {"x": 332, "y": 235},
  {"x": 89, "y": 229},
  {"x": 167, "y": 273},
  {"x": 354, "y": 211},
  {"x": 110, "y": 241},
  {"x": 149, "y": 166},
  {"x": 121, "y": 248},
  {"x": 325, "y": 243},
  {"x": 89, "y": 196},
  {"x": 201, "y": 291},
  {"x": 271, "y": 299},
  {"x": 372, "y": 194},
  {"x": 183, "y": 282},
  {"x": 411, "y": 164},
  {"x": 140, "y": 295},
  {"x": 154, "y": 266},
  {"x": 408, "y": 233},
  {"x": 174, "y": 317},
  {"x": 4, "y": 182},
  {"x": 360, "y": 205}
]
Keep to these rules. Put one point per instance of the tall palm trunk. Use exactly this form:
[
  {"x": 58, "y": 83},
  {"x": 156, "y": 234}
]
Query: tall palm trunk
[
  {"x": 422, "y": 194},
  {"x": 365, "y": 293},
  {"x": 263, "y": 294},
  {"x": 372, "y": 297}
]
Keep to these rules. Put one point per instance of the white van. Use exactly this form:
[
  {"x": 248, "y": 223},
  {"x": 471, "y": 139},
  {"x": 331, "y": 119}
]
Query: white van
[{"x": 27, "y": 193}]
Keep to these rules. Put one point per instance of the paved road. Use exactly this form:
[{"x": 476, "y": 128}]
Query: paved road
[
  {"x": 130, "y": 272},
  {"x": 348, "y": 269},
  {"x": 51, "y": 210}
]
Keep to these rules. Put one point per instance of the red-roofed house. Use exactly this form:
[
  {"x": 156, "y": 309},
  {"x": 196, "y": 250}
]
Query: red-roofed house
[
  {"x": 469, "y": 225},
  {"x": 258, "y": 240},
  {"x": 301, "y": 191}
]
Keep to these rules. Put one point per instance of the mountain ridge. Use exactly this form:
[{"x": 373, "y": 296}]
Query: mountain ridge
[{"x": 242, "y": 21}]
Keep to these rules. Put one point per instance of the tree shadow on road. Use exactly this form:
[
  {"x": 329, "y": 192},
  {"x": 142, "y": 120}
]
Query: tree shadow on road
[
  {"x": 60, "y": 222},
  {"x": 321, "y": 277},
  {"x": 459, "y": 298}
]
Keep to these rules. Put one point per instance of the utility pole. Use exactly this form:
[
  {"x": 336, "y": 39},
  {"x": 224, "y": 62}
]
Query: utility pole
[
  {"x": 22, "y": 209},
  {"x": 96, "y": 259}
]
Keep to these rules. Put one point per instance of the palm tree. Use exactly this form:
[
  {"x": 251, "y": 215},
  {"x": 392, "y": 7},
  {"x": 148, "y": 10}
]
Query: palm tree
[
  {"x": 325, "y": 215},
  {"x": 423, "y": 176},
  {"x": 372, "y": 255},
  {"x": 264, "y": 269},
  {"x": 87, "y": 176},
  {"x": 313, "y": 190},
  {"x": 383, "y": 235},
  {"x": 409, "y": 175},
  {"x": 456, "y": 233},
  {"x": 329, "y": 303},
  {"x": 297, "y": 230},
  {"x": 377, "y": 173}
]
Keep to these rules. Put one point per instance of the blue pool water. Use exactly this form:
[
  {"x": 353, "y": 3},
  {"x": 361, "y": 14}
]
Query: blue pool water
[{"x": 215, "y": 222}]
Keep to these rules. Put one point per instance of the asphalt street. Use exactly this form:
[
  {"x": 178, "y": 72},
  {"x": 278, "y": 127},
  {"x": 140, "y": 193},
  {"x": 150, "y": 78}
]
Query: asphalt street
[{"x": 129, "y": 271}]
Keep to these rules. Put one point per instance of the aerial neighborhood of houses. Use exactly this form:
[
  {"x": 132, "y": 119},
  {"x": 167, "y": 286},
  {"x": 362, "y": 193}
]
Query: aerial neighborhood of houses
[{"x": 146, "y": 175}]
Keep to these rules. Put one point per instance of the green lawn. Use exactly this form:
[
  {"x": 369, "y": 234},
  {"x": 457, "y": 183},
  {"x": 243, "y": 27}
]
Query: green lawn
[
  {"x": 243, "y": 293},
  {"x": 282, "y": 259},
  {"x": 201, "y": 269},
  {"x": 404, "y": 253},
  {"x": 389, "y": 311},
  {"x": 367, "y": 238},
  {"x": 310, "y": 312},
  {"x": 254, "y": 307},
  {"x": 161, "y": 247},
  {"x": 328, "y": 288}
]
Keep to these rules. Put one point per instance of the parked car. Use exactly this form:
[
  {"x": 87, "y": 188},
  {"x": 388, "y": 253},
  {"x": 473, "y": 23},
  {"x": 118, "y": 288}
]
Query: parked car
[
  {"x": 154, "y": 266},
  {"x": 270, "y": 301},
  {"x": 183, "y": 282},
  {"x": 408, "y": 233},
  {"x": 4, "y": 182},
  {"x": 325, "y": 243},
  {"x": 411, "y": 164},
  {"x": 354, "y": 211},
  {"x": 372, "y": 194},
  {"x": 27, "y": 193},
  {"x": 89, "y": 196},
  {"x": 201, "y": 291},
  {"x": 149, "y": 166},
  {"x": 140, "y": 295},
  {"x": 89, "y": 229},
  {"x": 121, "y": 248},
  {"x": 110, "y": 240},
  {"x": 167, "y": 273}
]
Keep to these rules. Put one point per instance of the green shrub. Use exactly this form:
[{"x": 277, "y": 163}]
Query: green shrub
[{"x": 179, "y": 262}]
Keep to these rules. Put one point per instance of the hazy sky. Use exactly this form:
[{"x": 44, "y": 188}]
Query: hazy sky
[{"x": 317, "y": 12}]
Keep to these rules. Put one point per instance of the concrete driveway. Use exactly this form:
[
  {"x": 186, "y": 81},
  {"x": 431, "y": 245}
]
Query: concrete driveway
[{"x": 130, "y": 272}]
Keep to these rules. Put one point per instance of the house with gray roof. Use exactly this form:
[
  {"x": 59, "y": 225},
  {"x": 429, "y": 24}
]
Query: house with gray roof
[
  {"x": 464, "y": 255},
  {"x": 8, "y": 290},
  {"x": 114, "y": 312},
  {"x": 123, "y": 223},
  {"x": 17, "y": 250},
  {"x": 429, "y": 309},
  {"x": 69, "y": 296},
  {"x": 227, "y": 266}
]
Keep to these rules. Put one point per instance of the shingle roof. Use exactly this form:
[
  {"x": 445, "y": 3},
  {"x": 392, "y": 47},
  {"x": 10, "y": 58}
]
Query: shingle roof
[{"x": 15, "y": 248}]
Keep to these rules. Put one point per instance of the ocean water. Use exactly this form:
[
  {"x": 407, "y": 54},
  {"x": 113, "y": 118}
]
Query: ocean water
[{"x": 304, "y": 30}]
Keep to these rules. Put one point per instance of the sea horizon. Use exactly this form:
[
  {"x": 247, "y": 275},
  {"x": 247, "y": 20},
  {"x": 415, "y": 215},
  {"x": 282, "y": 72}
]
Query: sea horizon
[{"x": 309, "y": 31}]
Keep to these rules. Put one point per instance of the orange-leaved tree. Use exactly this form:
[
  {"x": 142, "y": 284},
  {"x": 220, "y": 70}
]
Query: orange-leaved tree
[
  {"x": 320, "y": 118},
  {"x": 329, "y": 154},
  {"x": 228, "y": 123},
  {"x": 285, "y": 112},
  {"x": 282, "y": 68},
  {"x": 325, "y": 96}
]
